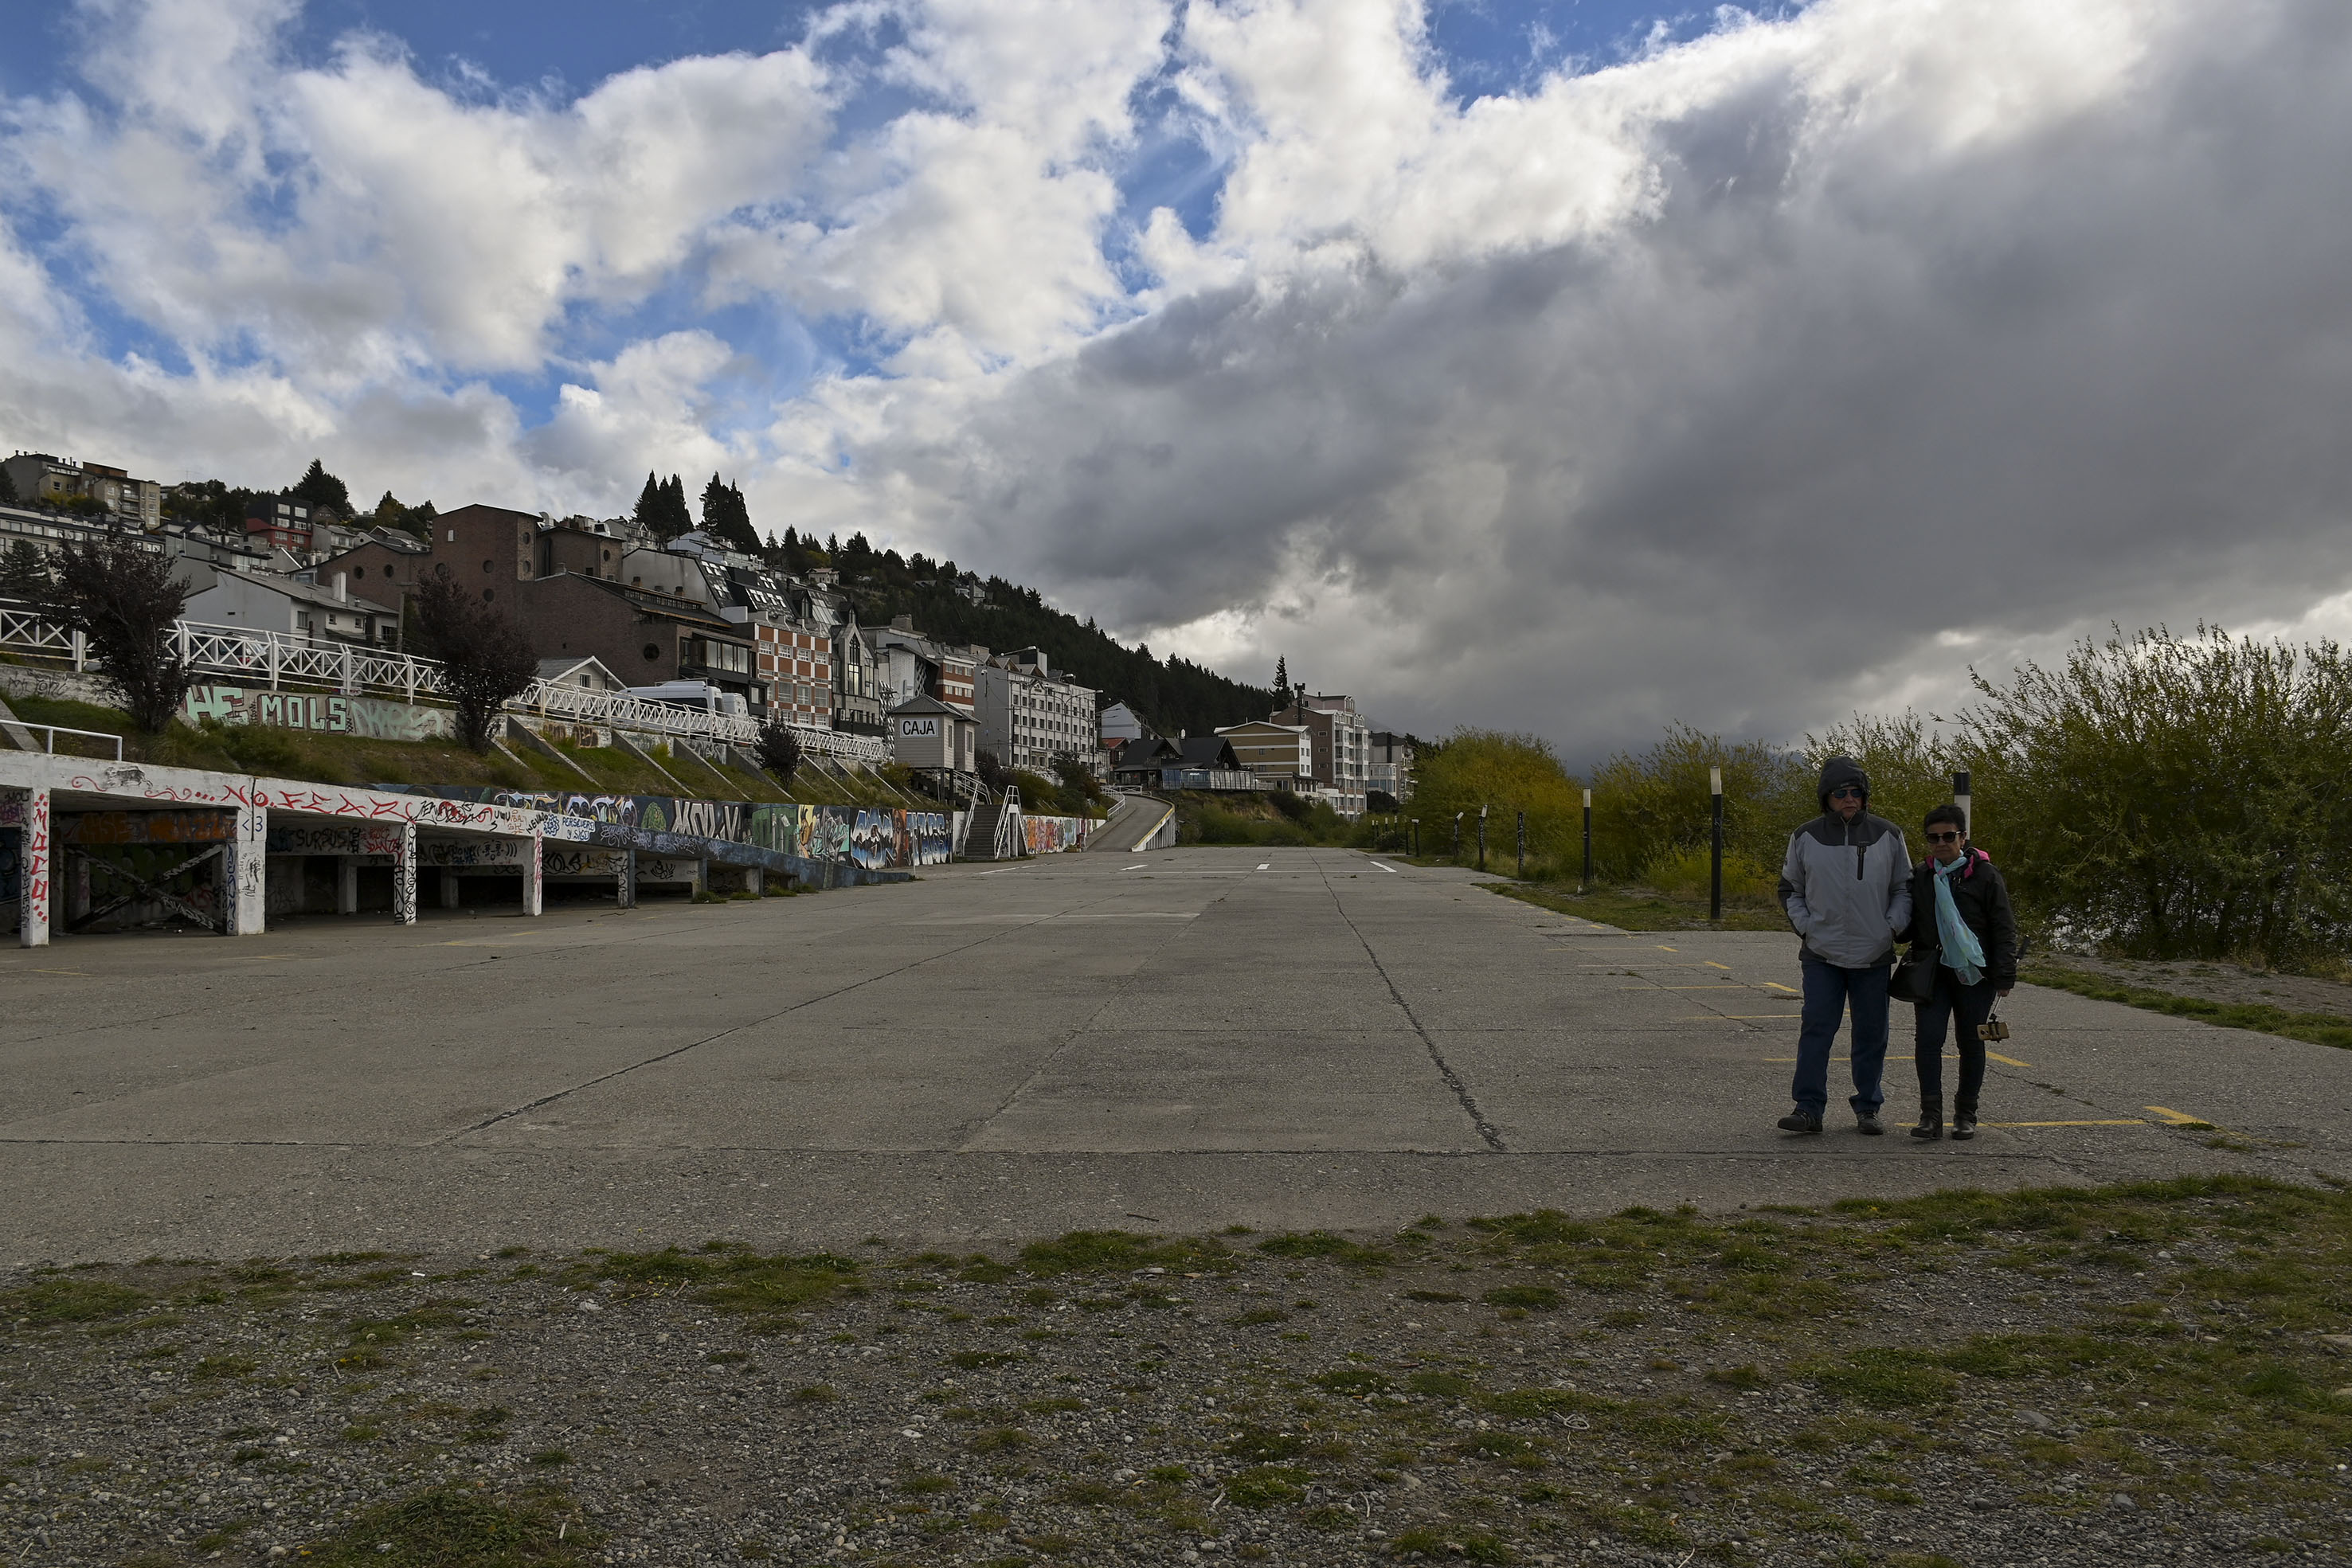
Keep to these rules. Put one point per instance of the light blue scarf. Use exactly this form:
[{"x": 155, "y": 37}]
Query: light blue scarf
[{"x": 1963, "y": 954}]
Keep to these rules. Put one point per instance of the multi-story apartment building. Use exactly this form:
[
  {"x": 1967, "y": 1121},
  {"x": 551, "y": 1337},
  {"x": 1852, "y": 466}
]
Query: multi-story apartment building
[
  {"x": 41, "y": 480},
  {"x": 1281, "y": 754},
  {"x": 1391, "y": 764},
  {"x": 796, "y": 662},
  {"x": 1029, "y": 716},
  {"x": 1341, "y": 744},
  {"x": 909, "y": 664}
]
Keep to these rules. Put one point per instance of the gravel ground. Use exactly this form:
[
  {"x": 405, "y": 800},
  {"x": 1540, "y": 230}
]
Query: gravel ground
[
  {"x": 2127, "y": 1376},
  {"x": 2219, "y": 982}
]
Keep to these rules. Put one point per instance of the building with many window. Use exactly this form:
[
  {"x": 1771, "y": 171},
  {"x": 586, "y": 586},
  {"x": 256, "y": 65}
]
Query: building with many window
[
  {"x": 41, "y": 480},
  {"x": 1390, "y": 764},
  {"x": 1340, "y": 742},
  {"x": 1281, "y": 754},
  {"x": 1029, "y": 716}
]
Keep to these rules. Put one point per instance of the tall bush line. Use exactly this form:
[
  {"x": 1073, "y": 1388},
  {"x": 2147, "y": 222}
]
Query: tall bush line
[{"x": 2169, "y": 797}]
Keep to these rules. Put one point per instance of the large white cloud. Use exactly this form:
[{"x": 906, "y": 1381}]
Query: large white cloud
[{"x": 1789, "y": 368}]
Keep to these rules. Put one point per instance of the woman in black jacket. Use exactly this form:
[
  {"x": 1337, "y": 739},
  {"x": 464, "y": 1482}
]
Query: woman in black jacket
[{"x": 1963, "y": 928}]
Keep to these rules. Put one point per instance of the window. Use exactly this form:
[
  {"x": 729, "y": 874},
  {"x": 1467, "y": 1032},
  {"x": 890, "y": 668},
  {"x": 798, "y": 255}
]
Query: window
[
  {"x": 652, "y": 650},
  {"x": 358, "y": 572},
  {"x": 486, "y": 566}
]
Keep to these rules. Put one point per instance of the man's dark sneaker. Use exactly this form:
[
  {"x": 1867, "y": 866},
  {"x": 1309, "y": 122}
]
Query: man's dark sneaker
[
  {"x": 1964, "y": 1125},
  {"x": 1801, "y": 1121},
  {"x": 1868, "y": 1123},
  {"x": 1931, "y": 1122}
]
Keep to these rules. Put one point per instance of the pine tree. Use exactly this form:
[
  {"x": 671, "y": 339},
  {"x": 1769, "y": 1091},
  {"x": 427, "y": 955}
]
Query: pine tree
[
  {"x": 320, "y": 488},
  {"x": 649, "y": 505},
  {"x": 8, "y": 497},
  {"x": 1281, "y": 673},
  {"x": 676, "y": 518}
]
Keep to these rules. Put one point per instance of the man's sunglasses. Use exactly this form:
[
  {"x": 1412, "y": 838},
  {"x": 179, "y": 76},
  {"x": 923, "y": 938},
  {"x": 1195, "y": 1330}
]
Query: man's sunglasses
[
  {"x": 1944, "y": 838},
  {"x": 1845, "y": 793}
]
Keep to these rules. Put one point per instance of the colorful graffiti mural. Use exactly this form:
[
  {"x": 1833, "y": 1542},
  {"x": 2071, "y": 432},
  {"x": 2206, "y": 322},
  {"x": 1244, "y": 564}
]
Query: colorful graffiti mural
[
  {"x": 1054, "y": 835},
  {"x": 373, "y": 718}
]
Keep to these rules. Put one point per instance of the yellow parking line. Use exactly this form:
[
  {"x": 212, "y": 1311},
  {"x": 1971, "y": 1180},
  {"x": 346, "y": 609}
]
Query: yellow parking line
[
  {"x": 1713, "y": 964},
  {"x": 1778, "y": 987},
  {"x": 1683, "y": 988},
  {"x": 2010, "y": 1061},
  {"x": 2124, "y": 1121},
  {"x": 2175, "y": 1118},
  {"x": 1664, "y": 948}
]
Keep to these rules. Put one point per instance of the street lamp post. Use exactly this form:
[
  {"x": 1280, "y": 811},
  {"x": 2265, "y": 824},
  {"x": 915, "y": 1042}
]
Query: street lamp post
[
  {"x": 1523, "y": 845},
  {"x": 1458, "y": 836},
  {"x": 1482, "y": 838}
]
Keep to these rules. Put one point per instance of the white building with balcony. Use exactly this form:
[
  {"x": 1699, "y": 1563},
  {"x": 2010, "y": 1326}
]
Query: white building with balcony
[{"x": 1029, "y": 716}]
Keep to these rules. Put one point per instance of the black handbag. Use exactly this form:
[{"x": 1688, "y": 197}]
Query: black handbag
[{"x": 1914, "y": 979}]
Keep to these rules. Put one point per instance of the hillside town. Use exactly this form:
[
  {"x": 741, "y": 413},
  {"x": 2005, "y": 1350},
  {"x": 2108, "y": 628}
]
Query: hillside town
[
  {"x": 692, "y": 620},
  {"x": 790, "y": 739}
]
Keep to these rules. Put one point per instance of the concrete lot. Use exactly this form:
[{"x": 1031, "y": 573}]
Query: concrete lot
[{"x": 1176, "y": 1040}]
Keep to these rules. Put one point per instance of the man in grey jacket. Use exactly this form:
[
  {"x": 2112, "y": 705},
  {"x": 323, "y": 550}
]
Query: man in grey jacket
[{"x": 1846, "y": 886}]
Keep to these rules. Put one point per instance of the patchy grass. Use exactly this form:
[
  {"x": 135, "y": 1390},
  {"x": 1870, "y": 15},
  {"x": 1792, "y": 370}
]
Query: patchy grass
[
  {"x": 1122, "y": 1252},
  {"x": 65, "y": 1298},
  {"x": 732, "y": 1278},
  {"x": 453, "y": 1527},
  {"x": 2312, "y": 1028},
  {"x": 1605, "y": 1380}
]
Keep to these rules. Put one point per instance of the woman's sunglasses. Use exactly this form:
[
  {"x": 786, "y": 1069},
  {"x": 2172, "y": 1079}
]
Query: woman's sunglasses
[
  {"x": 1845, "y": 793},
  {"x": 1943, "y": 838}
]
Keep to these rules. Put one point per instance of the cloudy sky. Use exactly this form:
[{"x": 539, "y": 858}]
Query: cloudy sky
[{"x": 1569, "y": 365}]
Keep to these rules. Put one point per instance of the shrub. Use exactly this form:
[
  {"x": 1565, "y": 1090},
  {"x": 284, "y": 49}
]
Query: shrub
[
  {"x": 486, "y": 657},
  {"x": 122, "y": 598}
]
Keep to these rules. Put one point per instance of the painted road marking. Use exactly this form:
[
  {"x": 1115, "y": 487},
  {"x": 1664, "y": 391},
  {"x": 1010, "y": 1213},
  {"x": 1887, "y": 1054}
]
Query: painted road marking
[
  {"x": 1390, "y": 869},
  {"x": 1266, "y": 866},
  {"x": 83, "y": 973},
  {"x": 2008, "y": 1060},
  {"x": 1713, "y": 964},
  {"x": 1136, "y": 866},
  {"x": 1778, "y": 987},
  {"x": 2176, "y": 1118},
  {"x": 1682, "y": 987},
  {"x": 1664, "y": 948},
  {"x": 2123, "y": 1122}
]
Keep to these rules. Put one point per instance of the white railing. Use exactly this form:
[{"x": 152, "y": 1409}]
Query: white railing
[
  {"x": 278, "y": 659},
  {"x": 55, "y": 730},
  {"x": 22, "y": 628}
]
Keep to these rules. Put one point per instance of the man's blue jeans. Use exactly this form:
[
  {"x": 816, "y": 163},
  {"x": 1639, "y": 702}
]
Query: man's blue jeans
[{"x": 1829, "y": 990}]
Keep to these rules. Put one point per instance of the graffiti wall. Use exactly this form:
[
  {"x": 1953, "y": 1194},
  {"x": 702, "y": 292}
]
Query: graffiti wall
[
  {"x": 1054, "y": 835},
  {"x": 373, "y": 718},
  {"x": 872, "y": 837}
]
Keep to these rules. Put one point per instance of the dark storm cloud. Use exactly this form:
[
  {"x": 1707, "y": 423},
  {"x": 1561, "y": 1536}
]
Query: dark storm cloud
[{"x": 1741, "y": 460}]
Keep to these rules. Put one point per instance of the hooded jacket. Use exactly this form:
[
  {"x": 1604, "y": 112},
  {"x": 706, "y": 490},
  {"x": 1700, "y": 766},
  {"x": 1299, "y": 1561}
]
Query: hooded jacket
[
  {"x": 1982, "y": 897},
  {"x": 1846, "y": 886}
]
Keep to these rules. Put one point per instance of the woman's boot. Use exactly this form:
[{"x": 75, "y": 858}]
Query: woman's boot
[
  {"x": 1964, "y": 1121},
  {"x": 1931, "y": 1120}
]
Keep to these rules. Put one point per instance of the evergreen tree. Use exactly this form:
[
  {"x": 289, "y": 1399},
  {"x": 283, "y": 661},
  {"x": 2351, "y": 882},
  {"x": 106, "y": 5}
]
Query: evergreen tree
[
  {"x": 649, "y": 505},
  {"x": 320, "y": 488},
  {"x": 1281, "y": 673},
  {"x": 8, "y": 497},
  {"x": 676, "y": 518},
  {"x": 25, "y": 573},
  {"x": 726, "y": 518}
]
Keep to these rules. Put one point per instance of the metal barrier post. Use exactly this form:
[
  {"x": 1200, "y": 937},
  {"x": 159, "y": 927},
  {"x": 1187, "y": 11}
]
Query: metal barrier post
[{"x": 1715, "y": 866}]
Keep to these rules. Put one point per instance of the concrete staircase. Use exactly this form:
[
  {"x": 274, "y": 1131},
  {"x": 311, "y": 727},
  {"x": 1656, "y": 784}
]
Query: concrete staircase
[{"x": 980, "y": 840}]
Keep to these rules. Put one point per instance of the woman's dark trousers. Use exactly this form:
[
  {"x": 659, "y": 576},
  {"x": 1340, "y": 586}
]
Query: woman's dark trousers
[{"x": 1974, "y": 1005}]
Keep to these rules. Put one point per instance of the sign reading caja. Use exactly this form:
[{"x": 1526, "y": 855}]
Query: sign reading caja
[{"x": 917, "y": 728}]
